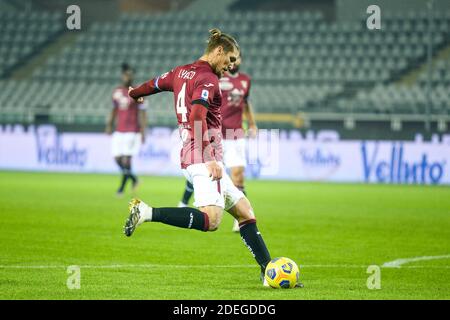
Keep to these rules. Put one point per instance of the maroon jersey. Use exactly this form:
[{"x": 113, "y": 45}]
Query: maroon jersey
[
  {"x": 195, "y": 83},
  {"x": 235, "y": 91},
  {"x": 127, "y": 111}
]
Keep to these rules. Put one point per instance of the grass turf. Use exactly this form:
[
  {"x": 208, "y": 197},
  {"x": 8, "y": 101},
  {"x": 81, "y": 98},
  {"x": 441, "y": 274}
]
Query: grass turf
[{"x": 334, "y": 231}]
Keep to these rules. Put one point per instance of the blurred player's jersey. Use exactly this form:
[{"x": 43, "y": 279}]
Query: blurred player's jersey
[
  {"x": 195, "y": 83},
  {"x": 235, "y": 91},
  {"x": 127, "y": 111}
]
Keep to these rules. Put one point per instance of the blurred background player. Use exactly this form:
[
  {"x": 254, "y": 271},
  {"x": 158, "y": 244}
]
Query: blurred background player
[
  {"x": 235, "y": 87},
  {"x": 130, "y": 127},
  {"x": 188, "y": 191},
  {"x": 198, "y": 100}
]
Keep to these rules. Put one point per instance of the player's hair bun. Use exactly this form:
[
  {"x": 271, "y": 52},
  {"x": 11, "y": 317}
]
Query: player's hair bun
[
  {"x": 215, "y": 33},
  {"x": 218, "y": 38}
]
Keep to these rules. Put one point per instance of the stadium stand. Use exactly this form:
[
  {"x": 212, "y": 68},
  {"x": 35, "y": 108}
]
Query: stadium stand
[
  {"x": 401, "y": 99},
  {"x": 24, "y": 35},
  {"x": 312, "y": 65}
]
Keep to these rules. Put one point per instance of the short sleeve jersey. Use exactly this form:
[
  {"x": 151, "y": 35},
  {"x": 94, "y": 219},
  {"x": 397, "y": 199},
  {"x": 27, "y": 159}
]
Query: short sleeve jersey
[
  {"x": 127, "y": 111},
  {"x": 235, "y": 92},
  {"x": 191, "y": 84}
]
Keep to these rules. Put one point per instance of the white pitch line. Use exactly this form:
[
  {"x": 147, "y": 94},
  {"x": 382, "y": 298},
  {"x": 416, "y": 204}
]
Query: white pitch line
[
  {"x": 144, "y": 266},
  {"x": 149, "y": 266},
  {"x": 355, "y": 266},
  {"x": 123, "y": 266},
  {"x": 399, "y": 262}
]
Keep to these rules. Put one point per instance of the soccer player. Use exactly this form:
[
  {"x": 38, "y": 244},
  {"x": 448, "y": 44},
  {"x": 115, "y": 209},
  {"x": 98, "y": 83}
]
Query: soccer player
[
  {"x": 130, "y": 128},
  {"x": 235, "y": 88},
  {"x": 198, "y": 100}
]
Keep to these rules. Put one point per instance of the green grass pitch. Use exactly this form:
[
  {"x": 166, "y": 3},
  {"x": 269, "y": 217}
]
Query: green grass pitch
[{"x": 333, "y": 231}]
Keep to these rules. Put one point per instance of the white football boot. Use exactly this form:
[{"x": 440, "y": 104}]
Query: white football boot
[
  {"x": 263, "y": 279},
  {"x": 139, "y": 213}
]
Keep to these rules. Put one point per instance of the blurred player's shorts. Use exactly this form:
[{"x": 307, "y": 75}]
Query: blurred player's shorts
[
  {"x": 126, "y": 143},
  {"x": 222, "y": 193},
  {"x": 234, "y": 153}
]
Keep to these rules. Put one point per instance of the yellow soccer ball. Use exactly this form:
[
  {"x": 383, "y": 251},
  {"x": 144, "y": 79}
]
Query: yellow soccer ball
[{"x": 282, "y": 273}]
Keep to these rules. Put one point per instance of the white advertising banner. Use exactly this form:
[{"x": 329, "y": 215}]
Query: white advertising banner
[{"x": 270, "y": 156}]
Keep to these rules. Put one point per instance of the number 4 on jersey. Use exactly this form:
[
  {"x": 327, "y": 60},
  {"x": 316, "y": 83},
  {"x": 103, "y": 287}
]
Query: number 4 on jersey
[{"x": 181, "y": 104}]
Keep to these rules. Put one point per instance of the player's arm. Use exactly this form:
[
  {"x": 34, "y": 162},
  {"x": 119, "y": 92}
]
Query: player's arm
[
  {"x": 110, "y": 120},
  {"x": 250, "y": 116},
  {"x": 154, "y": 86},
  {"x": 197, "y": 121},
  {"x": 146, "y": 89}
]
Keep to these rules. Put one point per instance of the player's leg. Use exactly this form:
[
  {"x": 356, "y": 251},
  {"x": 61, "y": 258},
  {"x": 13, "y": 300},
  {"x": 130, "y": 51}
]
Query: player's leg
[
  {"x": 188, "y": 191},
  {"x": 235, "y": 160},
  {"x": 117, "y": 147},
  {"x": 133, "y": 146},
  {"x": 120, "y": 162},
  {"x": 242, "y": 211},
  {"x": 239, "y": 207},
  {"x": 204, "y": 219},
  {"x": 128, "y": 170},
  {"x": 237, "y": 177},
  {"x": 208, "y": 198}
]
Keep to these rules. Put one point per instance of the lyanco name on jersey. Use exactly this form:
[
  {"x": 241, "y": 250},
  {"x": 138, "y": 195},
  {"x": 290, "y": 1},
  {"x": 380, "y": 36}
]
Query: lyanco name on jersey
[{"x": 184, "y": 74}]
